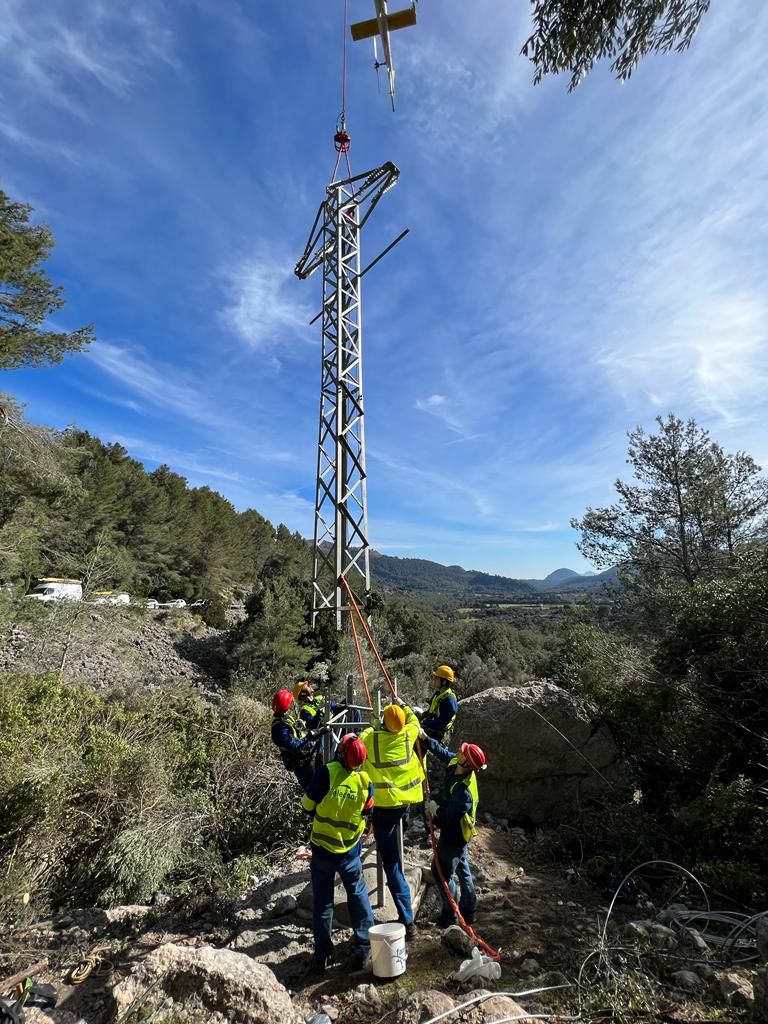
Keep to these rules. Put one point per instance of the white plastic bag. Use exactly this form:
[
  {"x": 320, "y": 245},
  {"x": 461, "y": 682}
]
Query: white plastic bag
[{"x": 479, "y": 966}]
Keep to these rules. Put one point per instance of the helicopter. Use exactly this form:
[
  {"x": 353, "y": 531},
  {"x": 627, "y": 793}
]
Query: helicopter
[{"x": 382, "y": 25}]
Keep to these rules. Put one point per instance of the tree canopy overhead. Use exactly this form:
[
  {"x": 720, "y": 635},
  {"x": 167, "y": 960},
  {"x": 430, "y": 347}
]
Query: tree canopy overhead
[
  {"x": 571, "y": 35},
  {"x": 27, "y": 295}
]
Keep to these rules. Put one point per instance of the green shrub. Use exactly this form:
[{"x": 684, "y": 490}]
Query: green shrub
[
  {"x": 214, "y": 613},
  {"x": 107, "y": 799}
]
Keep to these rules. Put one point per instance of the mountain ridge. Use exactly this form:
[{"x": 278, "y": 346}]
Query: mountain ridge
[{"x": 424, "y": 575}]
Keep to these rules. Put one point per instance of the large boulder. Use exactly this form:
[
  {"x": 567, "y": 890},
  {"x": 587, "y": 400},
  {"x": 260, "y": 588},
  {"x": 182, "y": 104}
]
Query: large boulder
[
  {"x": 204, "y": 985},
  {"x": 546, "y": 753}
]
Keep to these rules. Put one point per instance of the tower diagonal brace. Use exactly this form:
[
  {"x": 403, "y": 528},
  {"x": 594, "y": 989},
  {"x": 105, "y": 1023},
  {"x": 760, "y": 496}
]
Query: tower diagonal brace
[{"x": 340, "y": 546}]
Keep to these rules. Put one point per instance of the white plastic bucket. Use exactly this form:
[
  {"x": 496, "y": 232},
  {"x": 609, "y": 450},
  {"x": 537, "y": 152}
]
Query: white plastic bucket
[{"x": 388, "y": 952}]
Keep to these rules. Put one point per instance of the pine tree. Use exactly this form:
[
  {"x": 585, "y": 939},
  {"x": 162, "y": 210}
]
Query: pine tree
[{"x": 27, "y": 295}]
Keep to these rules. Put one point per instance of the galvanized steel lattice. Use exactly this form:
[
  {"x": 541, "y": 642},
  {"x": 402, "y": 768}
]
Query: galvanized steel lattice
[{"x": 341, "y": 511}]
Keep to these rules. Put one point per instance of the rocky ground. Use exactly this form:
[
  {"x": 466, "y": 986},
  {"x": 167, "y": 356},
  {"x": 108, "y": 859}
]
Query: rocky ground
[
  {"x": 115, "y": 646},
  {"x": 249, "y": 963}
]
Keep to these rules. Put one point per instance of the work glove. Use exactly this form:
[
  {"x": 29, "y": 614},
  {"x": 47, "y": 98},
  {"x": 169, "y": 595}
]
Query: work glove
[
  {"x": 431, "y": 807},
  {"x": 417, "y": 711},
  {"x": 316, "y": 734}
]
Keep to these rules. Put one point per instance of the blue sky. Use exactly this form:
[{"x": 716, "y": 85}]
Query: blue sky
[{"x": 577, "y": 264}]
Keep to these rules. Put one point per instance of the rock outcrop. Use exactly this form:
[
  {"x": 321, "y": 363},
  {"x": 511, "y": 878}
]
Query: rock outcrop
[
  {"x": 485, "y": 1007},
  {"x": 215, "y": 986},
  {"x": 546, "y": 753}
]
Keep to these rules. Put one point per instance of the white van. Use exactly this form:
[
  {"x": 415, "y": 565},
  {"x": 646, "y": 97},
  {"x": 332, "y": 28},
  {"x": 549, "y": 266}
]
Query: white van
[
  {"x": 48, "y": 590},
  {"x": 111, "y": 597}
]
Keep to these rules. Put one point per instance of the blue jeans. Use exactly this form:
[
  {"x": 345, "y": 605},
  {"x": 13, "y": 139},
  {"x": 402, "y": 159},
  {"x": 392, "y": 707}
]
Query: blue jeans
[
  {"x": 385, "y": 824},
  {"x": 454, "y": 861},
  {"x": 323, "y": 868}
]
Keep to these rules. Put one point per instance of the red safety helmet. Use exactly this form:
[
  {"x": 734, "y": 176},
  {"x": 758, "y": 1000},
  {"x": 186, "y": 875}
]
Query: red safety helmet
[
  {"x": 352, "y": 750},
  {"x": 474, "y": 755},
  {"x": 281, "y": 701}
]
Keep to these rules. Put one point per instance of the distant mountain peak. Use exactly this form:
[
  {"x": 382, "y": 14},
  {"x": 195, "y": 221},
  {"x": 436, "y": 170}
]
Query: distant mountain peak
[{"x": 560, "y": 576}]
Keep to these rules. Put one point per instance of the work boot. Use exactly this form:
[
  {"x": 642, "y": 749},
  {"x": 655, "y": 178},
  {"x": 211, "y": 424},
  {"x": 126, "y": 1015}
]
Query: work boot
[
  {"x": 362, "y": 961},
  {"x": 317, "y": 966},
  {"x": 410, "y": 931}
]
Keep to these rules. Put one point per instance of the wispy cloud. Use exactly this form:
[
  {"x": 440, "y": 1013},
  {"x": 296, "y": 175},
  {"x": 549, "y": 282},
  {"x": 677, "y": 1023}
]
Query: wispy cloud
[
  {"x": 463, "y": 81},
  {"x": 51, "y": 55},
  {"x": 111, "y": 398},
  {"x": 164, "y": 386},
  {"x": 50, "y": 149},
  {"x": 178, "y": 459},
  {"x": 258, "y": 310},
  {"x": 436, "y": 489},
  {"x": 442, "y": 409}
]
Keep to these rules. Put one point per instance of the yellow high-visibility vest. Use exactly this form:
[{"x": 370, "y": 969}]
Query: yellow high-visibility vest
[
  {"x": 316, "y": 708},
  {"x": 294, "y": 723},
  {"x": 393, "y": 764},
  {"x": 338, "y": 823},
  {"x": 468, "y": 820},
  {"x": 434, "y": 706}
]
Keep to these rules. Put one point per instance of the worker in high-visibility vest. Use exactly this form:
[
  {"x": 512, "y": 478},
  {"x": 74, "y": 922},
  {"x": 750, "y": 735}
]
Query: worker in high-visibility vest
[
  {"x": 340, "y": 799},
  {"x": 397, "y": 776},
  {"x": 290, "y": 735},
  {"x": 437, "y": 721},
  {"x": 313, "y": 707},
  {"x": 454, "y": 812}
]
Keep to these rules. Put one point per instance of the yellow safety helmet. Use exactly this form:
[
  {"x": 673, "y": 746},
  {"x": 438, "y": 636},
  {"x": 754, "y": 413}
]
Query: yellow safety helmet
[
  {"x": 394, "y": 718},
  {"x": 445, "y": 672},
  {"x": 299, "y": 687}
]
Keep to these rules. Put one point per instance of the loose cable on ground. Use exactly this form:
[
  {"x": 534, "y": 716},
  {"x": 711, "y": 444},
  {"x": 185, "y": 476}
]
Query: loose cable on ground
[{"x": 625, "y": 879}]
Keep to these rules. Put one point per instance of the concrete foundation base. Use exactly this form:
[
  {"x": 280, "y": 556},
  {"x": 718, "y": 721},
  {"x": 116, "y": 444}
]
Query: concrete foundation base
[{"x": 383, "y": 910}]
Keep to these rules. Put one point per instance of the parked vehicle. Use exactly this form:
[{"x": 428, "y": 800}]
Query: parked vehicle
[
  {"x": 51, "y": 589},
  {"x": 111, "y": 597},
  {"x": 178, "y": 602},
  {"x": 151, "y": 603}
]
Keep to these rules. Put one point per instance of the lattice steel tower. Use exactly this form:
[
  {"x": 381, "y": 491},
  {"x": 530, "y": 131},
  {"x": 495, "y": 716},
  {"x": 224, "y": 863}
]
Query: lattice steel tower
[{"x": 341, "y": 511}]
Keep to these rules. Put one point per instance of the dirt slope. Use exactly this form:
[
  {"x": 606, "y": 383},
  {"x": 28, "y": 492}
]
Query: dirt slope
[{"x": 113, "y": 646}]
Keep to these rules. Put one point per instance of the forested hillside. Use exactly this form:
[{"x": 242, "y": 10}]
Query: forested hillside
[
  {"x": 418, "y": 574},
  {"x": 67, "y": 498}
]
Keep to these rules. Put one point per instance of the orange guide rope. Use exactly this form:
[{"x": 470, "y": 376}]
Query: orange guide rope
[
  {"x": 362, "y": 664},
  {"x": 361, "y": 618},
  {"x": 355, "y": 607}
]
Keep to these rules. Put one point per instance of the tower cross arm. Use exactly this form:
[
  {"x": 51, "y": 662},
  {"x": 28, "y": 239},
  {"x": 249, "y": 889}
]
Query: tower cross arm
[
  {"x": 314, "y": 252},
  {"x": 362, "y": 191},
  {"x": 372, "y": 186}
]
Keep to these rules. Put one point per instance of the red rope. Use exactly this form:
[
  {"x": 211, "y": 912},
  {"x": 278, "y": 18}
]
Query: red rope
[
  {"x": 362, "y": 664},
  {"x": 344, "y": 69},
  {"x": 342, "y": 140},
  {"x": 356, "y": 608},
  {"x": 466, "y": 928}
]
